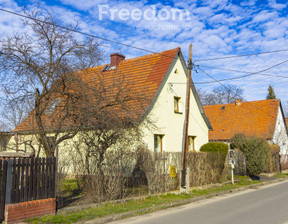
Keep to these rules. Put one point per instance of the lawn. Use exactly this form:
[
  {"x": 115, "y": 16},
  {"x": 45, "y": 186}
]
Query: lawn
[{"x": 140, "y": 206}]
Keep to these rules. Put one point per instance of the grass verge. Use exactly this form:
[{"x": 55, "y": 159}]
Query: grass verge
[{"x": 139, "y": 207}]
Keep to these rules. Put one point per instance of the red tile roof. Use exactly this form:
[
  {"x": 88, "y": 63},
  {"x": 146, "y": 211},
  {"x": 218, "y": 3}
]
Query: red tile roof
[
  {"x": 286, "y": 121},
  {"x": 250, "y": 118},
  {"x": 141, "y": 75}
]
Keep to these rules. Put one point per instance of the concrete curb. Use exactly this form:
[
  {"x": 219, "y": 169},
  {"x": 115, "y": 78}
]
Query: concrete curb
[{"x": 115, "y": 217}]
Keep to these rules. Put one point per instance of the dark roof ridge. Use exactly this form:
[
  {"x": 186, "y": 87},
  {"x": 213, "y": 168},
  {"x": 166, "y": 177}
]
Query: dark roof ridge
[{"x": 135, "y": 58}]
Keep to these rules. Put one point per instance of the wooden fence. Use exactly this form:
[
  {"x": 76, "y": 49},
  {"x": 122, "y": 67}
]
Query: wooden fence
[
  {"x": 26, "y": 179},
  {"x": 3, "y": 172}
]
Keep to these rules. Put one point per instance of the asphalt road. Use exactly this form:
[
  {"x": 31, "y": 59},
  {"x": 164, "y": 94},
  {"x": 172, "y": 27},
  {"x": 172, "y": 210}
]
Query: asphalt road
[{"x": 266, "y": 205}]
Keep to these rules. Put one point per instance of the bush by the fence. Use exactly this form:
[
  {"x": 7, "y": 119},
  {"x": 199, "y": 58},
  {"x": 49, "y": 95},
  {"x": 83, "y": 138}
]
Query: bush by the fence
[
  {"x": 256, "y": 151},
  {"x": 215, "y": 147},
  {"x": 145, "y": 171},
  {"x": 205, "y": 168},
  {"x": 273, "y": 164}
]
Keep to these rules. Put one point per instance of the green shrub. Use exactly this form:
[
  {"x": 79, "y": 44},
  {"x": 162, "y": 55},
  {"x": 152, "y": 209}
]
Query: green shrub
[
  {"x": 215, "y": 147},
  {"x": 273, "y": 159},
  {"x": 256, "y": 151}
]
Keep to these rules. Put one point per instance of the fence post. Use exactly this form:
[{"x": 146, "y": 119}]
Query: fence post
[
  {"x": 8, "y": 182},
  {"x": 56, "y": 171}
]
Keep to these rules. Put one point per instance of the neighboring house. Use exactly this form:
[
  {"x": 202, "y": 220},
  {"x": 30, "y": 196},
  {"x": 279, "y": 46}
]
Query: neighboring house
[
  {"x": 264, "y": 119},
  {"x": 162, "y": 78}
]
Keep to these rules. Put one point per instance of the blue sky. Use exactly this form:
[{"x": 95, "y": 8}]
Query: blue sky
[{"x": 216, "y": 28}]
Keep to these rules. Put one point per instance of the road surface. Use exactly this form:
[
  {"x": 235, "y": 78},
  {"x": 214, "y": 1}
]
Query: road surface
[{"x": 266, "y": 205}]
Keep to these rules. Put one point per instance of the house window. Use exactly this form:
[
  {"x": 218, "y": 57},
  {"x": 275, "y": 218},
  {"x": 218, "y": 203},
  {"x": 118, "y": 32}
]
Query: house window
[
  {"x": 191, "y": 143},
  {"x": 177, "y": 104},
  {"x": 176, "y": 71},
  {"x": 158, "y": 143},
  {"x": 52, "y": 106}
]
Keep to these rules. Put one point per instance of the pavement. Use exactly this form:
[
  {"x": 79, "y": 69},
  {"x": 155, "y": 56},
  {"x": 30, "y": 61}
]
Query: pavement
[
  {"x": 262, "y": 205},
  {"x": 265, "y": 179}
]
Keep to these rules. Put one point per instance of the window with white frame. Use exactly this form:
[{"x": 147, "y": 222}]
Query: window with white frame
[
  {"x": 158, "y": 143},
  {"x": 191, "y": 143},
  {"x": 177, "y": 104}
]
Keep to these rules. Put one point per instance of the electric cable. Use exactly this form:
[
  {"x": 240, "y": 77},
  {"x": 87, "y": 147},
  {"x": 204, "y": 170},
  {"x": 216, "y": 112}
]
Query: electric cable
[
  {"x": 242, "y": 98},
  {"x": 239, "y": 71},
  {"x": 127, "y": 45},
  {"x": 242, "y": 55},
  {"x": 247, "y": 75}
]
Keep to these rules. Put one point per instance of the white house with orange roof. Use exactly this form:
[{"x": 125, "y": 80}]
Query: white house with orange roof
[
  {"x": 263, "y": 118},
  {"x": 162, "y": 78}
]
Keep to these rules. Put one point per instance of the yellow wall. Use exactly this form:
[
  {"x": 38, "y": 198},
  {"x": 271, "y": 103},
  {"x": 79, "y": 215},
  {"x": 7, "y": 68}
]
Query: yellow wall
[
  {"x": 171, "y": 124},
  {"x": 165, "y": 121}
]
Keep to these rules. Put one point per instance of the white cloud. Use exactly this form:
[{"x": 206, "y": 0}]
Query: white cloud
[
  {"x": 264, "y": 15},
  {"x": 203, "y": 11},
  {"x": 84, "y": 4},
  {"x": 216, "y": 28},
  {"x": 248, "y": 3},
  {"x": 273, "y": 4}
]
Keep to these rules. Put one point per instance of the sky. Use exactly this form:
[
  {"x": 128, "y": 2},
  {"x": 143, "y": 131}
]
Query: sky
[{"x": 216, "y": 28}]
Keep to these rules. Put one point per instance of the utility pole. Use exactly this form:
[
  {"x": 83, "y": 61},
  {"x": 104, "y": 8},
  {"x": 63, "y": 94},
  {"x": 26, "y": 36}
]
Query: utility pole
[{"x": 186, "y": 122}]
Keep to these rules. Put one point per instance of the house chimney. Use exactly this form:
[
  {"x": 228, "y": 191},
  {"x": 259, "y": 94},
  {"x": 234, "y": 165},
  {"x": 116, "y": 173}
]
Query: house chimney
[
  {"x": 116, "y": 58},
  {"x": 238, "y": 102}
]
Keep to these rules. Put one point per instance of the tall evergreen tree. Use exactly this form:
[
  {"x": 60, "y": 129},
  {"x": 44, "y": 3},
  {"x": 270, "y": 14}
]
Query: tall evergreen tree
[{"x": 271, "y": 93}]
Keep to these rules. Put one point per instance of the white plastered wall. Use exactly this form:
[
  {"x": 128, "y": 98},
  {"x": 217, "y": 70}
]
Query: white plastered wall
[
  {"x": 165, "y": 122},
  {"x": 171, "y": 124},
  {"x": 280, "y": 135}
]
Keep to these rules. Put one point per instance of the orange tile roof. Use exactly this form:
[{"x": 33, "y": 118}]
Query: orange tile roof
[
  {"x": 142, "y": 76},
  {"x": 286, "y": 121},
  {"x": 256, "y": 118}
]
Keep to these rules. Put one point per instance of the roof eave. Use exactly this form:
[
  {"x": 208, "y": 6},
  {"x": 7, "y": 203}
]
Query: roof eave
[
  {"x": 282, "y": 112},
  {"x": 161, "y": 86}
]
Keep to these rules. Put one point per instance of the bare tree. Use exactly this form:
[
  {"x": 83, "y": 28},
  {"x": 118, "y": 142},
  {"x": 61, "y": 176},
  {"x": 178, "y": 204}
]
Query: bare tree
[
  {"x": 14, "y": 112},
  {"x": 40, "y": 66},
  {"x": 110, "y": 111},
  {"x": 220, "y": 95}
]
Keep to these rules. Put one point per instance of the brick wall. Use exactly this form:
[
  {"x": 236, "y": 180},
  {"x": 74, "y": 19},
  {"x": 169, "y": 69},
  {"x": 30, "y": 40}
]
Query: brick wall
[{"x": 20, "y": 211}]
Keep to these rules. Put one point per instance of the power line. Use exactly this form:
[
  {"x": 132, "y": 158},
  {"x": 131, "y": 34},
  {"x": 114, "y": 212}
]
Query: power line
[
  {"x": 242, "y": 55},
  {"x": 77, "y": 31},
  {"x": 236, "y": 94},
  {"x": 126, "y": 45},
  {"x": 239, "y": 71},
  {"x": 244, "y": 76},
  {"x": 86, "y": 34},
  {"x": 190, "y": 113},
  {"x": 149, "y": 51}
]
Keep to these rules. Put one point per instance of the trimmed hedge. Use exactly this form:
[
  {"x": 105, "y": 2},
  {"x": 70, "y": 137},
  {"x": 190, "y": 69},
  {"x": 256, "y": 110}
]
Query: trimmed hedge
[{"x": 215, "y": 147}]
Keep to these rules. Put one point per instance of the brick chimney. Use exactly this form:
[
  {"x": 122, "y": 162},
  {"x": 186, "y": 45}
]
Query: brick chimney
[
  {"x": 238, "y": 102},
  {"x": 116, "y": 58}
]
